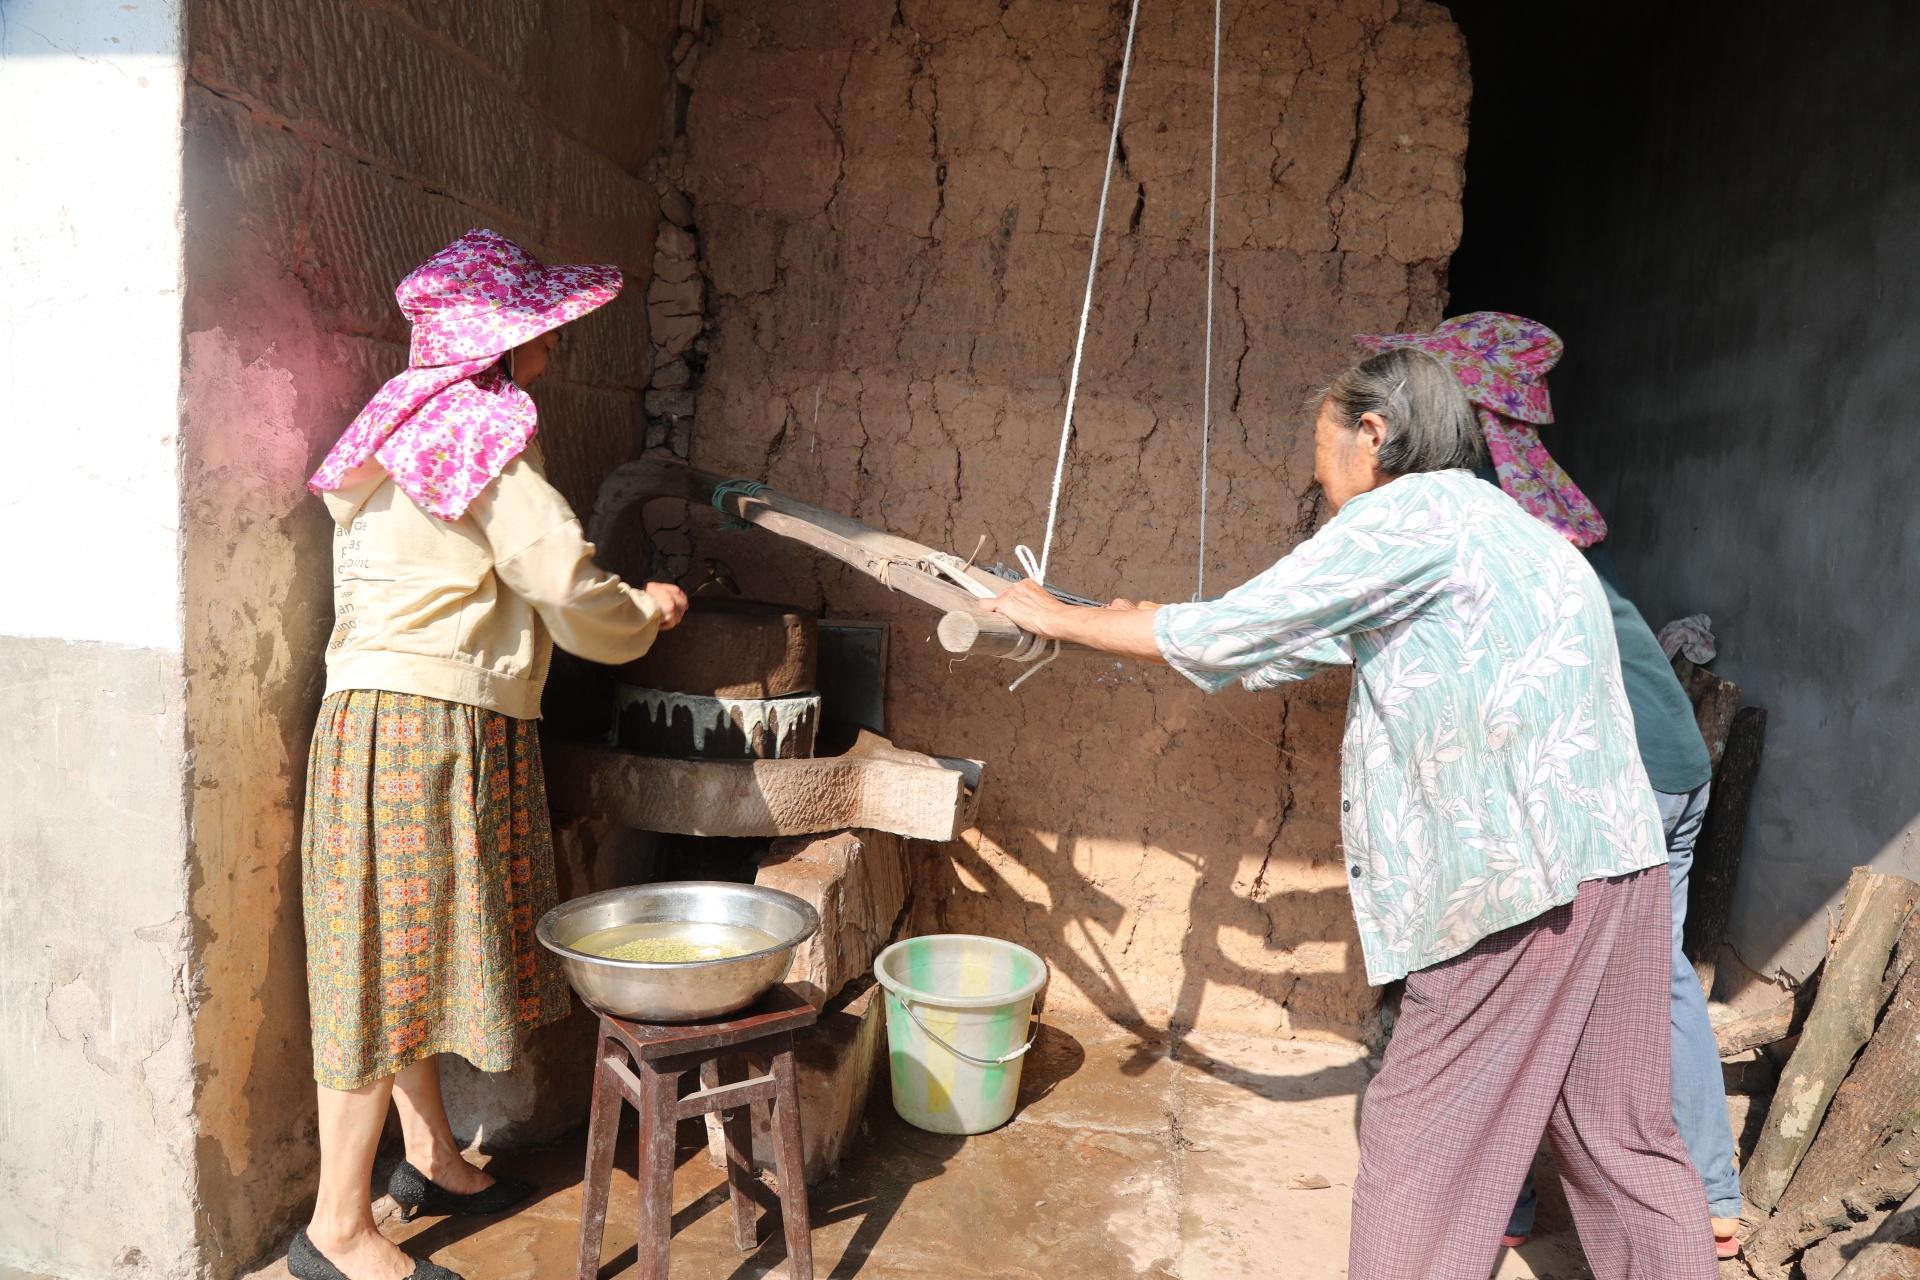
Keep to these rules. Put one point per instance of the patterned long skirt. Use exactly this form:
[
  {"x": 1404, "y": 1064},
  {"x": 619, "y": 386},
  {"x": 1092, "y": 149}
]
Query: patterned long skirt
[{"x": 426, "y": 862}]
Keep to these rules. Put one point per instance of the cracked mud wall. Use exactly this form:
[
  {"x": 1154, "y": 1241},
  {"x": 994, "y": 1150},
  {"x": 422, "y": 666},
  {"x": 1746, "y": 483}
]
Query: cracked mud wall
[
  {"x": 896, "y": 203},
  {"x": 331, "y": 146}
]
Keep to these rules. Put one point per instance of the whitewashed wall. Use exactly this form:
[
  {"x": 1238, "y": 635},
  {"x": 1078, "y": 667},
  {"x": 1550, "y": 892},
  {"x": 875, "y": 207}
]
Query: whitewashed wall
[
  {"x": 90, "y": 298},
  {"x": 97, "y": 1136}
]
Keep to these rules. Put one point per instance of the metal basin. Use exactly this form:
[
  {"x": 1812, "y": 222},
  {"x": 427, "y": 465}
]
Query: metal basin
[{"x": 693, "y": 991}]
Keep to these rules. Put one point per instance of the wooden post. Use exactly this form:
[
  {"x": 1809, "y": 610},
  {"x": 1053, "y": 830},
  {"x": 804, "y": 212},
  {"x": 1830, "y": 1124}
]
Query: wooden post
[
  {"x": 1875, "y": 909},
  {"x": 659, "y": 1089},
  {"x": 1716, "y": 858},
  {"x": 1881, "y": 1097},
  {"x": 790, "y": 1163},
  {"x": 603, "y": 1128}
]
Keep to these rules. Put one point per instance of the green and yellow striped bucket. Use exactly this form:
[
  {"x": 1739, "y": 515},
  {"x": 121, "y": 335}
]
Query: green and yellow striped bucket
[{"x": 957, "y": 1013}]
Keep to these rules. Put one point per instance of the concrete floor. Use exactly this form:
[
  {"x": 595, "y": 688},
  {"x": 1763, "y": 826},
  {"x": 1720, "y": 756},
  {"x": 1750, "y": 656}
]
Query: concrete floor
[{"x": 1125, "y": 1159}]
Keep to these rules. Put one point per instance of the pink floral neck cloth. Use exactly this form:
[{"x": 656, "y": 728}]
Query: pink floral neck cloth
[
  {"x": 1502, "y": 362},
  {"x": 449, "y": 425}
]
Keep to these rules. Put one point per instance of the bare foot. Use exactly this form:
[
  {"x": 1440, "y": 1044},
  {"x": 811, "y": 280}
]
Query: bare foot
[
  {"x": 450, "y": 1171},
  {"x": 363, "y": 1254}
]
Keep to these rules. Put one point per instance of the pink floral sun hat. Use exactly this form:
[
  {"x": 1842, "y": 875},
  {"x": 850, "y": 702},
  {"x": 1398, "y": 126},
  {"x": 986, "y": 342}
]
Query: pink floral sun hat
[
  {"x": 1502, "y": 361},
  {"x": 446, "y": 427}
]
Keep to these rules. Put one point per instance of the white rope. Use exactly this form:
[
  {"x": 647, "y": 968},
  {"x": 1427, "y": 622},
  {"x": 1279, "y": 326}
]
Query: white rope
[
  {"x": 1206, "y": 388},
  {"x": 1086, "y": 304},
  {"x": 1032, "y": 646}
]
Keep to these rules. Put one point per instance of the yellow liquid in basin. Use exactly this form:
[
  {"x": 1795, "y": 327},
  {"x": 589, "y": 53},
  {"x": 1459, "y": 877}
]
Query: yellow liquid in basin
[{"x": 674, "y": 942}]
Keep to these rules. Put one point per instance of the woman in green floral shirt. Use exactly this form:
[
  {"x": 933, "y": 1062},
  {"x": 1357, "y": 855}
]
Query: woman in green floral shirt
[{"x": 1504, "y": 851}]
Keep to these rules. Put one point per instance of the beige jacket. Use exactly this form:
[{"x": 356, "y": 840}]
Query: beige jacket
[{"x": 469, "y": 611}]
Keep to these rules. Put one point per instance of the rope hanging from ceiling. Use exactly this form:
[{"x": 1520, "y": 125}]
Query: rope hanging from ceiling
[{"x": 1038, "y": 569}]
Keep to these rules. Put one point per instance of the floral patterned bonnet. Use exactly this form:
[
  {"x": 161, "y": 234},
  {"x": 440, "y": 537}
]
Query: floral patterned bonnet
[
  {"x": 449, "y": 425},
  {"x": 1501, "y": 361}
]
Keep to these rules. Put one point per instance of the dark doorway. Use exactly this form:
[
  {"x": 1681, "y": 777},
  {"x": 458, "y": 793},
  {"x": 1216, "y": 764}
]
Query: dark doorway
[{"x": 1718, "y": 207}]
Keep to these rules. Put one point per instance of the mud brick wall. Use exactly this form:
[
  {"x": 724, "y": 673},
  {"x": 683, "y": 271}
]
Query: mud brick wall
[
  {"x": 331, "y": 145},
  {"x": 895, "y": 202}
]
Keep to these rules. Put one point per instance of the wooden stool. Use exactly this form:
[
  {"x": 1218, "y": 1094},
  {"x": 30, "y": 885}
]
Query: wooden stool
[{"x": 661, "y": 1054}]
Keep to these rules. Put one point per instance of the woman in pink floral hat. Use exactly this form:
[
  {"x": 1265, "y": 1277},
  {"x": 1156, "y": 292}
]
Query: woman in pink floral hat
[{"x": 427, "y": 856}]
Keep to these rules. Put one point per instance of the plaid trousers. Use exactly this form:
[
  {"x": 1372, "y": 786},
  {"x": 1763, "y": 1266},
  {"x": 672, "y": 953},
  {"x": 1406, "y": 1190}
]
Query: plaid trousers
[{"x": 1559, "y": 1025}]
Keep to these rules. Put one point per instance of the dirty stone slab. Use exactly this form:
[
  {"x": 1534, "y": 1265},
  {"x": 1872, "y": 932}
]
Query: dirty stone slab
[
  {"x": 1133, "y": 1154},
  {"x": 1255, "y": 1115},
  {"x": 1085, "y": 1073}
]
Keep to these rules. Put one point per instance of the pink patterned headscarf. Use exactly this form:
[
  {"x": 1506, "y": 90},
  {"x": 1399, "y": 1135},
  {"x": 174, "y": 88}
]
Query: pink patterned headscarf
[
  {"x": 452, "y": 422},
  {"x": 1502, "y": 361}
]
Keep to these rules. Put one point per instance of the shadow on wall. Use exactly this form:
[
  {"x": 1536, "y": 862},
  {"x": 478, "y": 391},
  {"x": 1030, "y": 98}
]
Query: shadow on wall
[
  {"x": 1079, "y": 944},
  {"x": 1174, "y": 856}
]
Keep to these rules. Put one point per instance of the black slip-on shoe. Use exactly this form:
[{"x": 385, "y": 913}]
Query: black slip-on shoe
[
  {"x": 304, "y": 1262},
  {"x": 415, "y": 1195}
]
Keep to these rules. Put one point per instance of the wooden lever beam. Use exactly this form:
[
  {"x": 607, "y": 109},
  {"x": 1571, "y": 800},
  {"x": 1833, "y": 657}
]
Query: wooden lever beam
[{"x": 899, "y": 563}]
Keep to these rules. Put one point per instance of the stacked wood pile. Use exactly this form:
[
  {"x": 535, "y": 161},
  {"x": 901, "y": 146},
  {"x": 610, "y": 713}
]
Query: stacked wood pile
[
  {"x": 1833, "y": 1184},
  {"x": 1831, "y": 1176}
]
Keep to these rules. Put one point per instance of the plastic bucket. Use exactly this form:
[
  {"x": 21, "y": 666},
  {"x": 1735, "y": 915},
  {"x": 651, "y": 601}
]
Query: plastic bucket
[{"x": 958, "y": 1008}]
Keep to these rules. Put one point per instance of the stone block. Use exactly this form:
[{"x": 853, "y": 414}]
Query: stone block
[
  {"x": 673, "y": 375},
  {"x": 836, "y": 1061},
  {"x": 858, "y": 882},
  {"x": 675, "y": 207},
  {"x": 674, "y": 332},
  {"x": 242, "y": 175},
  {"x": 365, "y": 231},
  {"x": 921, "y": 797},
  {"x": 610, "y": 346},
  {"x": 599, "y": 212},
  {"x": 566, "y": 57},
  {"x": 96, "y": 1043},
  {"x": 677, "y": 297},
  {"x": 672, "y": 242},
  {"x": 335, "y": 70},
  {"x": 680, "y": 437},
  {"x": 605, "y": 77},
  {"x": 584, "y": 433},
  {"x": 686, "y": 63},
  {"x": 670, "y": 404},
  {"x": 674, "y": 270}
]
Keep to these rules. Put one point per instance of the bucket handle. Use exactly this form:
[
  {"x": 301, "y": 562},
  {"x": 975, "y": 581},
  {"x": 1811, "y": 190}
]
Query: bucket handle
[{"x": 1000, "y": 1061}]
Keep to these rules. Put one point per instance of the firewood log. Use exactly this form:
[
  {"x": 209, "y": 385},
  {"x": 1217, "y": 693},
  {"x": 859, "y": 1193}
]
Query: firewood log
[
  {"x": 1894, "y": 1251},
  {"x": 1714, "y": 703},
  {"x": 1716, "y": 857},
  {"x": 1904, "y": 953},
  {"x": 1842, "y": 1019},
  {"x": 1888, "y": 1174},
  {"x": 1736, "y": 1035},
  {"x": 1880, "y": 1099}
]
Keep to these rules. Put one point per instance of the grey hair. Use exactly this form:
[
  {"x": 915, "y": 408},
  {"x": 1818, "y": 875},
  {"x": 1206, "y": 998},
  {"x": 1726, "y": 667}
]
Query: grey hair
[{"x": 1430, "y": 423}]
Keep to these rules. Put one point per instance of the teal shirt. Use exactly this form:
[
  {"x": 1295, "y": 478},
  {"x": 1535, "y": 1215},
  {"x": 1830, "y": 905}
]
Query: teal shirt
[
  {"x": 1670, "y": 743},
  {"x": 1489, "y": 766}
]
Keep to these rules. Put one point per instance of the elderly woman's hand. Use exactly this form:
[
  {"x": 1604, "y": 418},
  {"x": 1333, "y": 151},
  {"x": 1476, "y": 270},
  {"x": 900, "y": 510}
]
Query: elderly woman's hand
[
  {"x": 672, "y": 601},
  {"x": 1121, "y": 627},
  {"x": 1031, "y": 607}
]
